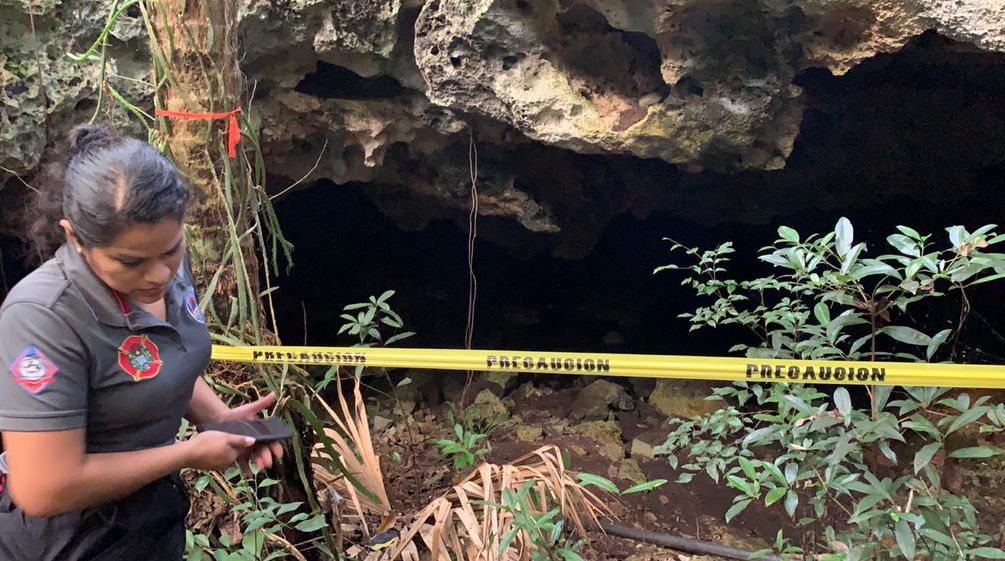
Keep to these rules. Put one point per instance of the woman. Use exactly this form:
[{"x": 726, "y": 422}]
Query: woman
[{"x": 103, "y": 348}]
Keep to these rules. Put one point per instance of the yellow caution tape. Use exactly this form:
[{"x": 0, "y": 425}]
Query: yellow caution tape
[{"x": 637, "y": 366}]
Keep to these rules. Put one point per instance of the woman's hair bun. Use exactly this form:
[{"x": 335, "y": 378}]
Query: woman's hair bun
[{"x": 84, "y": 138}]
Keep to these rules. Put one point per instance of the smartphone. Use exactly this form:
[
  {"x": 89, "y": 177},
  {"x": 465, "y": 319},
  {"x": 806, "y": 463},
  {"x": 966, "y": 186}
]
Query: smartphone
[{"x": 267, "y": 430}]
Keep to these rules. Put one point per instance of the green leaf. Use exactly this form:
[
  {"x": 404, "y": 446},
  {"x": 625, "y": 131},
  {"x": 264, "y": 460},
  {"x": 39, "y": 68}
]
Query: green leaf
[
  {"x": 842, "y": 399},
  {"x": 844, "y": 235},
  {"x": 791, "y": 502},
  {"x": 822, "y": 313},
  {"x": 937, "y": 341},
  {"x": 748, "y": 468},
  {"x": 966, "y": 418},
  {"x": 507, "y": 539},
  {"x": 788, "y": 234},
  {"x": 904, "y": 245},
  {"x": 774, "y": 496},
  {"x": 569, "y": 554},
  {"x": 737, "y": 509},
  {"x": 646, "y": 486},
  {"x": 602, "y": 482},
  {"x": 910, "y": 232},
  {"x": 905, "y": 538},
  {"x": 399, "y": 337},
  {"x": 404, "y": 382},
  {"x": 925, "y": 455},
  {"x": 956, "y": 235},
  {"x": 907, "y": 335},
  {"x": 987, "y": 552},
  {"x": 791, "y": 472},
  {"x": 973, "y": 452}
]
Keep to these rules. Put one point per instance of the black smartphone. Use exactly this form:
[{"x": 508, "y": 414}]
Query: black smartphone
[{"x": 266, "y": 430}]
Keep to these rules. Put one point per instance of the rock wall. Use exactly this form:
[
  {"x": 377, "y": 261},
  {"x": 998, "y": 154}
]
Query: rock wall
[{"x": 392, "y": 93}]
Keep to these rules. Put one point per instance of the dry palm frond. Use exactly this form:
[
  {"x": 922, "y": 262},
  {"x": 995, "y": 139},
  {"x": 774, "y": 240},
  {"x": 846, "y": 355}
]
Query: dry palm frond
[
  {"x": 467, "y": 521},
  {"x": 354, "y": 446}
]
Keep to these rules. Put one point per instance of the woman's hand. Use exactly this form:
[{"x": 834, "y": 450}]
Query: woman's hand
[
  {"x": 215, "y": 450},
  {"x": 262, "y": 455}
]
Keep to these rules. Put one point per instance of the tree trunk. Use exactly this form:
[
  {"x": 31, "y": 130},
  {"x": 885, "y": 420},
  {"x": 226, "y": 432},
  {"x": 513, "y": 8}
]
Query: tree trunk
[{"x": 195, "y": 49}]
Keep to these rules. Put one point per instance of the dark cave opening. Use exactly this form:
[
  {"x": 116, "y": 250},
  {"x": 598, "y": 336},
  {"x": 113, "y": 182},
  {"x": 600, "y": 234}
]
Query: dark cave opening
[
  {"x": 331, "y": 81},
  {"x": 913, "y": 138}
]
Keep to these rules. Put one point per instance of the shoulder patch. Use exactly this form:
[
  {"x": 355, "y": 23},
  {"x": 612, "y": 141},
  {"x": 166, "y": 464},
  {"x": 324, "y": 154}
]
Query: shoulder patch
[
  {"x": 33, "y": 370},
  {"x": 139, "y": 357},
  {"x": 192, "y": 305}
]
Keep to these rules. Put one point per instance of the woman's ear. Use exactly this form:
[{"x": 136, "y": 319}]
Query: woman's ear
[{"x": 71, "y": 236}]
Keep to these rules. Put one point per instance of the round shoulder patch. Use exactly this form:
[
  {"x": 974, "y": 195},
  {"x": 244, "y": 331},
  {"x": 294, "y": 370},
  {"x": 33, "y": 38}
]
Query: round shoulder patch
[{"x": 192, "y": 305}]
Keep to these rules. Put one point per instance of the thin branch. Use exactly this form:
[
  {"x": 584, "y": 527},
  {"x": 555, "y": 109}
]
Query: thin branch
[
  {"x": 304, "y": 178},
  {"x": 19, "y": 178}
]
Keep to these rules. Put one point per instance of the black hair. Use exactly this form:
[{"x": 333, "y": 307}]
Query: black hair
[{"x": 102, "y": 185}]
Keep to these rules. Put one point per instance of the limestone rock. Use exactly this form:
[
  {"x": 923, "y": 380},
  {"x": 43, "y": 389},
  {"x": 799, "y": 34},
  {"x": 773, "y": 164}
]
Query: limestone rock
[
  {"x": 642, "y": 449},
  {"x": 529, "y": 433},
  {"x": 595, "y": 401},
  {"x": 487, "y": 408},
  {"x": 583, "y": 75},
  {"x": 606, "y": 434},
  {"x": 685, "y": 399},
  {"x": 630, "y": 471},
  {"x": 504, "y": 381}
]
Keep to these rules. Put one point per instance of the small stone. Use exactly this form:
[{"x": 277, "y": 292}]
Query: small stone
[
  {"x": 525, "y": 433},
  {"x": 525, "y": 392},
  {"x": 664, "y": 500},
  {"x": 487, "y": 408},
  {"x": 685, "y": 399},
  {"x": 642, "y": 449},
  {"x": 504, "y": 381},
  {"x": 558, "y": 427},
  {"x": 577, "y": 450},
  {"x": 607, "y": 435},
  {"x": 651, "y": 517},
  {"x": 630, "y": 471},
  {"x": 380, "y": 423},
  {"x": 595, "y": 401}
]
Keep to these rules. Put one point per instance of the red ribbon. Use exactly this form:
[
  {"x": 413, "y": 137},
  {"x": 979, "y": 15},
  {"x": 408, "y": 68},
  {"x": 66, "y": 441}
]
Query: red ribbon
[{"x": 233, "y": 129}]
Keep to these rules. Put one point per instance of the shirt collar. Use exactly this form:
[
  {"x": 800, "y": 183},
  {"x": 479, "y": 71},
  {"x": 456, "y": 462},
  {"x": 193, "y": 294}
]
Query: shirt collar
[{"x": 108, "y": 306}]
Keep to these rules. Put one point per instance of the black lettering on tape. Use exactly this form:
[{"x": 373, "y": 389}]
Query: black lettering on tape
[
  {"x": 256, "y": 355},
  {"x": 589, "y": 365},
  {"x": 765, "y": 371},
  {"x": 839, "y": 373},
  {"x": 556, "y": 364},
  {"x": 825, "y": 373},
  {"x": 863, "y": 374},
  {"x": 504, "y": 362},
  {"x": 793, "y": 373},
  {"x": 542, "y": 364},
  {"x": 879, "y": 374},
  {"x": 810, "y": 374},
  {"x": 490, "y": 361},
  {"x": 528, "y": 363},
  {"x": 751, "y": 368},
  {"x": 603, "y": 365},
  {"x": 570, "y": 364}
]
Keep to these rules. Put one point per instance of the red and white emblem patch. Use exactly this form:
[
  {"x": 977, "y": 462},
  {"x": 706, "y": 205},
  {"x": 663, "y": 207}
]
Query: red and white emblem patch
[
  {"x": 33, "y": 370},
  {"x": 139, "y": 357}
]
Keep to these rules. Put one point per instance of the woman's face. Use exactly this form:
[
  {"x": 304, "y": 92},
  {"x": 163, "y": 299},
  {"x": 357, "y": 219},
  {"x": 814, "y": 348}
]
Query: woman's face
[{"x": 141, "y": 261}]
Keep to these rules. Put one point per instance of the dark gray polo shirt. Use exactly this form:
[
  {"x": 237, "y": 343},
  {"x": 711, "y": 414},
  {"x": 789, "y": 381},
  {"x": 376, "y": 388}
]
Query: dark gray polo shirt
[{"x": 77, "y": 355}]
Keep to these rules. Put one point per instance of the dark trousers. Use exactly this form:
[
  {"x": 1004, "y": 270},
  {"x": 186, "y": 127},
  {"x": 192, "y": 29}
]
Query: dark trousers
[{"x": 147, "y": 525}]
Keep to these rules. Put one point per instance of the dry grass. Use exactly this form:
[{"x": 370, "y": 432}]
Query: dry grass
[{"x": 464, "y": 521}]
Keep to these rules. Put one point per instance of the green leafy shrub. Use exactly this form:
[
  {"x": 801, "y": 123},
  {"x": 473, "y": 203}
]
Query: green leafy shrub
[
  {"x": 465, "y": 451},
  {"x": 867, "y": 475}
]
